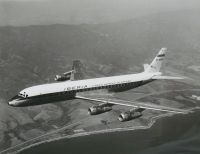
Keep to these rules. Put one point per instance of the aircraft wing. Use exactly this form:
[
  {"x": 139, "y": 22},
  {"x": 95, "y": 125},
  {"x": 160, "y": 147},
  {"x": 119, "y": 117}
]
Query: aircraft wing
[
  {"x": 167, "y": 78},
  {"x": 78, "y": 73},
  {"x": 134, "y": 104}
]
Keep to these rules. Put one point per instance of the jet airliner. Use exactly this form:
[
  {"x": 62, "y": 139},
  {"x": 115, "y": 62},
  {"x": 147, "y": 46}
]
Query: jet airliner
[{"x": 71, "y": 89}]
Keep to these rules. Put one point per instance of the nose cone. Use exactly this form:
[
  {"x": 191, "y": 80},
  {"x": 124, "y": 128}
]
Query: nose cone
[{"x": 12, "y": 103}]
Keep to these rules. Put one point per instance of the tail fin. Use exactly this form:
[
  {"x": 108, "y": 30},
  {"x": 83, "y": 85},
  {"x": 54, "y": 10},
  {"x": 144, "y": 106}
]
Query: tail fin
[{"x": 157, "y": 62}]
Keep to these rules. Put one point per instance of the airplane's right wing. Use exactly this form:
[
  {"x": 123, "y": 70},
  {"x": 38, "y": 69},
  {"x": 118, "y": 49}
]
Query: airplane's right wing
[{"x": 134, "y": 104}]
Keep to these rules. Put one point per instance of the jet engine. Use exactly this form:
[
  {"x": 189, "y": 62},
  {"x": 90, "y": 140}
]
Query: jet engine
[
  {"x": 64, "y": 77},
  {"x": 129, "y": 115},
  {"x": 98, "y": 109}
]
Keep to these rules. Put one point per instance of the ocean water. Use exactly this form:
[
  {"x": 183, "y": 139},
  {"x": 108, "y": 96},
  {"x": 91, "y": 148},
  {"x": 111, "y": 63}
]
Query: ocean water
[{"x": 178, "y": 134}]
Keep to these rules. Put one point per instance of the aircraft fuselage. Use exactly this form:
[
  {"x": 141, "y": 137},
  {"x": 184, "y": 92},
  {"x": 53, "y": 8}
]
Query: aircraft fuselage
[{"x": 67, "y": 90}]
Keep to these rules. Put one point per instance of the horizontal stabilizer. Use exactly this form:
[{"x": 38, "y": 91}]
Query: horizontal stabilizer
[{"x": 167, "y": 78}]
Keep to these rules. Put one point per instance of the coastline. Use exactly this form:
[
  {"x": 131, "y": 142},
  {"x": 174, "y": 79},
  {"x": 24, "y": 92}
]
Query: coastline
[
  {"x": 82, "y": 134},
  {"x": 164, "y": 131}
]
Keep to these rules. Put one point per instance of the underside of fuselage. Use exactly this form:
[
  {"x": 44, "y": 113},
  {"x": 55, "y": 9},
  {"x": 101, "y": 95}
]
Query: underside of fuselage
[{"x": 42, "y": 99}]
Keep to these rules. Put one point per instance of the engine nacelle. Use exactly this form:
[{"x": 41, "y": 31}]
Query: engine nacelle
[
  {"x": 66, "y": 76},
  {"x": 62, "y": 78},
  {"x": 98, "y": 109},
  {"x": 129, "y": 115}
]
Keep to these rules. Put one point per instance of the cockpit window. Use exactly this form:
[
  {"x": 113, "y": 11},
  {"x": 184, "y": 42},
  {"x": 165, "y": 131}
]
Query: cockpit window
[{"x": 21, "y": 95}]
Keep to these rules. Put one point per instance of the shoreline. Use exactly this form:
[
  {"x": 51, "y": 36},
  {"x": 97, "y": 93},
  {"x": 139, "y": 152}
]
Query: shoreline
[{"x": 152, "y": 122}]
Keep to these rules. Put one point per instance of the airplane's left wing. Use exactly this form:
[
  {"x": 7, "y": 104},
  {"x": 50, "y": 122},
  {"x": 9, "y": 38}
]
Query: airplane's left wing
[
  {"x": 134, "y": 104},
  {"x": 76, "y": 73}
]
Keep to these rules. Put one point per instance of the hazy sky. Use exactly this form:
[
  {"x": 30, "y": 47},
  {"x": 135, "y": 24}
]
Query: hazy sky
[{"x": 28, "y": 12}]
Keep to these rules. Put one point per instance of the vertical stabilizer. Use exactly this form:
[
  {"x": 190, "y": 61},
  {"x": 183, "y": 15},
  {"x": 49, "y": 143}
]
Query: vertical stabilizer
[{"x": 157, "y": 62}]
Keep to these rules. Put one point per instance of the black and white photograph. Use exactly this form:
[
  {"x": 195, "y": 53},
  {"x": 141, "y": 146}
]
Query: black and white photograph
[{"x": 99, "y": 76}]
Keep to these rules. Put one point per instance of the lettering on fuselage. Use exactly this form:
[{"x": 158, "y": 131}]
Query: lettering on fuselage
[{"x": 75, "y": 88}]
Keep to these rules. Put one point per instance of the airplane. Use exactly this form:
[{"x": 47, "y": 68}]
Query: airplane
[{"x": 69, "y": 88}]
